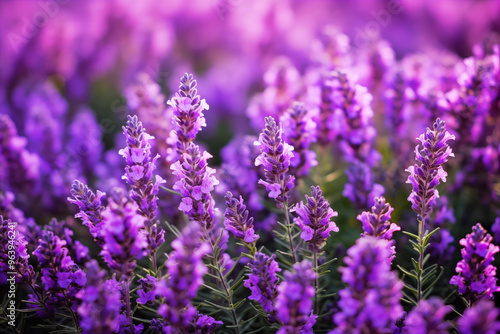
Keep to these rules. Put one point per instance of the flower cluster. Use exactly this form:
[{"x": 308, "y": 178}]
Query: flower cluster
[
  {"x": 476, "y": 273},
  {"x": 263, "y": 282},
  {"x": 294, "y": 304},
  {"x": 275, "y": 157},
  {"x": 481, "y": 318},
  {"x": 237, "y": 221},
  {"x": 425, "y": 177},
  {"x": 370, "y": 302},
  {"x": 188, "y": 112},
  {"x": 90, "y": 206},
  {"x": 428, "y": 317},
  {"x": 185, "y": 276},
  {"x": 314, "y": 219},
  {"x": 195, "y": 182}
]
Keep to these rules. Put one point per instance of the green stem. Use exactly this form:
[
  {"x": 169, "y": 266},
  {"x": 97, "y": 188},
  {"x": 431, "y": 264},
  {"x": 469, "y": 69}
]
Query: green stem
[
  {"x": 420, "y": 259},
  {"x": 316, "y": 281},
  {"x": 229, "y": 295},
  {"x": 126, "y": 287},
  {"x": 168, "y": 190},
  {"x": 289, "y": 230},
  {"x": 73, "y": 315}
]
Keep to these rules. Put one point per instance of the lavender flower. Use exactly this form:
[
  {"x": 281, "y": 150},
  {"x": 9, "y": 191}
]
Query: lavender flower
[
  {"x": 186, "y": 269},
  {"x": 123, "y": 240},
  {"x": 195, "y": 181},
  {"x": 441, "y": 246},
  {"x": 90, "y": 206},
  {"x": 361, "y": 188},
  {"x": 204, "y": 324},
  {"x": 496, "y": 230},
  {"x": 314, "y": 218},
  {"x": 275, "y": 158},
  {"x": 425, "y": 177},
  {"x": 482, "y": 318},
  {"x": 263, "y": 281},
  {"x": 139, "y": 174},
  {"x": 476, "y": 273},
  {"x": 61, "y": 277},
  {"x": 294, "y": 304},
  {"x": 13, "y": 253},
  {"x": 100, "y": 302},
  {"x": 188, "y": 112},
  {"x": 377, "y": 223},
  {"x": 299, "y": 131},
  {"x": 428, "y": 317},
  {"x": 78, "y": 252},
  {"x": 236, "y": 219},
  {"x": 147, "y": 291},
  {"x": 370, "y": 302}
]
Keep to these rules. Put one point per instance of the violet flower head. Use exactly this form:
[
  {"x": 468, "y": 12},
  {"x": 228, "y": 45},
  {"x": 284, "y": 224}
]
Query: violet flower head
[
  {"x": 299, "y": 130},
  {"x": 140, "y": 167},
  {"x": 425, "y": 177},
  {"x": 361, "y": 188},
  {"x": 90, "y": 206},
  {"x": 204, "y": 324},
  {"x": 441, "y": 247},
  {"x": 124, "y": 241},
  {"x": 61, "y": 277},
  {"x": 147, "y": 291},
  {"x": 482, "y": 318},
  {"x": 186, "y": 269},
  {"x": 195, "y": 182},
  {"x": 236, "y": 219},
  {"x": 188, "y": 112},
  {"x": 263, "y": 281},
  {"x": 371, "y": 301},
  {"x": 275, "y": 157},
  {"x": 377, "y": 222},
  {"x": 78, "y": 252},
  {"x": 428, "y": 317},
  {"x": 314, "y": 219},
  {"x": 13, "y": 253},
  {"x": 294, "y": 304},
  {"x": 475, "y": 273},
  {"x": 100, "y": 302}
]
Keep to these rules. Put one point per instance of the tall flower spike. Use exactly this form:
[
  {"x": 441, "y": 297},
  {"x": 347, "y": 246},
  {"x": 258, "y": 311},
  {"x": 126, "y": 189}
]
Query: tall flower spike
[
  {"x": 263, "y": 281},
  {"x": 377, "y": 223},
  {"x": 314, "y": 218},
  {"x": 139, "y": 175},
  {"x": 275, "y": 158},
  {"x": 101, "y": 302},
  {"x": 475, "y": 273},
  {"x": 123, "y": 240},
  {"x": 482, "y": 318},
  {"x": 371, "y": 301},
  {"x": 186, "y": 269},
  {"x": 188, "y": 112},
  {"x": 236, "y": 219},
  {"x": 90, "y": 206},
  {"x": 294, "y": 304},
  {"x": 425, "y": 177},
  {"x": 195, "y": 182},
  {"x": 299, "y": 130},
  {"x": 428, "y": 317}
]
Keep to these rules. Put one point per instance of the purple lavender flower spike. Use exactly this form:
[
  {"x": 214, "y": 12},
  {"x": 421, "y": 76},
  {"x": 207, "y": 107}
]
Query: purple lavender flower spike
[
  {"x": 195, "y": 182},
  {"x": 275, "y": 158},
  {"x": 294, "y": 304},
  {"x": 361, "y": 188},
  {"x": 371, "y": 301},
  {"x": 299, "y": 130},
  {"x": 475, "y": 273},
  {"x": 147, "y": 292},
  {"x": 314, "y": 218},
  {"x": 236, "y": 219},
  {"x": 204, "y": 324},
  {"x": 482, "y": 318},
  {"x": 78, "y": 252},
  {"x": 263, "y": 281},
  {"x": 428, "y": 317},
  {"x": 18, "y": 260},
  {"x": 61, "y": 277},
  {"x": 441, "y": 246},
  {"x": 100, "y": 302},
  {"x": 377, "y": 223},
  {"x": 188, "y": 112},
  {"x": 90, "y": 206},
  {"x": 186, "y": 269},
  {"x": 139, "y": 175},
  {"x": 123, "y": 240},
  {"x": 425, "y": 177}
]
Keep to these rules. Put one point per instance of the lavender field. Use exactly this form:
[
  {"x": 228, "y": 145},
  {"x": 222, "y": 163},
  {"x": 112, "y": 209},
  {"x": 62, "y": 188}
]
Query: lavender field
[{"x": 237, "y": 166}]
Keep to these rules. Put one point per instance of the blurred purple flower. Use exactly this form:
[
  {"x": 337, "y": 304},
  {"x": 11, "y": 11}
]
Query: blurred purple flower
[
  {"x": 147, "y": 291},
  {"x": 475, "y": 273},
  {"x": 13, "y": 253},
  {"x": 482, "y": 318},
  {"x": 428, "y": 317}
]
